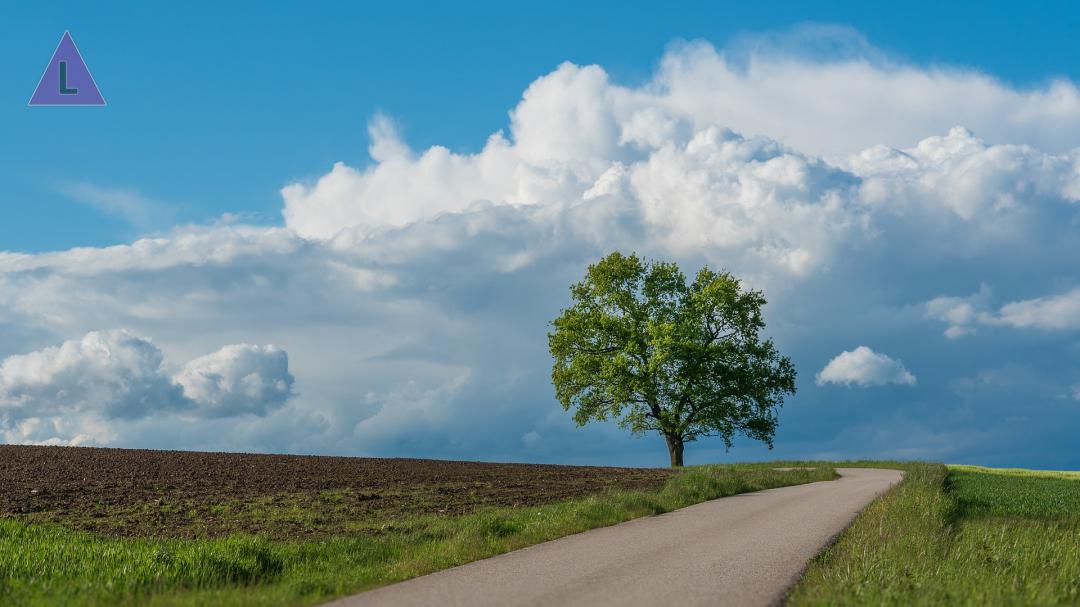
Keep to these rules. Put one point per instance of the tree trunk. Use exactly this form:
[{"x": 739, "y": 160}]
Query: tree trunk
[{"x": 675, "y": 450}]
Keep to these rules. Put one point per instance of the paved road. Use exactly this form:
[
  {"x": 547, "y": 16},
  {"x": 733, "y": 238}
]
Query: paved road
[{"x": 740, "y": 550}]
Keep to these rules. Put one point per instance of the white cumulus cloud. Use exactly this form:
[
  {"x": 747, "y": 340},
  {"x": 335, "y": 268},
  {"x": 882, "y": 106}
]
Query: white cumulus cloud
[
  {"x": 237, "y": 379},
  {"x": 114, "y": 373},
  {"x": 683, "y": 180},
  {"x": 864, "y": 367},
  {"x": 72, "y": 391}
]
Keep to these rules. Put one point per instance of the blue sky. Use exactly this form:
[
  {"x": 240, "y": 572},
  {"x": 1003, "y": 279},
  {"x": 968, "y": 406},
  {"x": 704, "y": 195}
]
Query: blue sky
[
  {"x": 901, "y": 180},
  {"x": 213, "y": 108}
]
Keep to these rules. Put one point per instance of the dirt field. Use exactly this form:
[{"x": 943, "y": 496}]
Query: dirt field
[{"x": 189, "y": 494}]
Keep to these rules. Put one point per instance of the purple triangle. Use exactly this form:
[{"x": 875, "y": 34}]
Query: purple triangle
[{"x": 66, "y": 80}]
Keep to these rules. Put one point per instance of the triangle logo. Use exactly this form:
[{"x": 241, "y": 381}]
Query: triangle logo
[{"x": 67, "y": 80}]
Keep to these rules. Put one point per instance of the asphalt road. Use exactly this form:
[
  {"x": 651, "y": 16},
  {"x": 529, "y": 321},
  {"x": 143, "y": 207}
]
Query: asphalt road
[{"x": 741, "y": 550}]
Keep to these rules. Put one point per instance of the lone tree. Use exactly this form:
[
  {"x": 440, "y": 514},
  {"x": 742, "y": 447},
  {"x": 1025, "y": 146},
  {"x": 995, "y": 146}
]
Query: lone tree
[{"x": 642, "y": 346}]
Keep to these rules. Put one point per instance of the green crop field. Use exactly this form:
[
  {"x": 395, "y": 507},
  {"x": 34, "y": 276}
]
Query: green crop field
[
  {"x": 957, "y": 535},
  {"x": 53, "y": 564},
  {"x": 1067, "y": 474}
]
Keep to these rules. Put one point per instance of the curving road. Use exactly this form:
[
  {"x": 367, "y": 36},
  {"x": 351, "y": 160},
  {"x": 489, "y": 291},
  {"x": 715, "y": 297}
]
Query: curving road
[{"x": 742, "y": 550}]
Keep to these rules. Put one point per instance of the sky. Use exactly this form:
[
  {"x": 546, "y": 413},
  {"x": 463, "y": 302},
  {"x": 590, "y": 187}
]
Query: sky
[{"x": 344, "y": 229}]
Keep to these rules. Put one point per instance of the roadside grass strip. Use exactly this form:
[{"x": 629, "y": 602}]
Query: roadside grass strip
[
  {"x": 956, "y": 536},
  {"x": 48, "y": 564}
]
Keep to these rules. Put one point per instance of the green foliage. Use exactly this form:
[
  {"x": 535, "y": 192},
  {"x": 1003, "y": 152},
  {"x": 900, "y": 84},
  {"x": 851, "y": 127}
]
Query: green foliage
[
  {"x": 51, "y": 565},
  {"x": 644, "y": 347},
  {"x": 956, "y": 537}
]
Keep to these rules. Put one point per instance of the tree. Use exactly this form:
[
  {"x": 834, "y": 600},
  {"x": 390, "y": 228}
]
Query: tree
[{"x": 642, "y": 346}]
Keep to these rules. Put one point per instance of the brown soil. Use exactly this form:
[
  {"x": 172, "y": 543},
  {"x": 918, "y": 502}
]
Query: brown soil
[{"x": 131, "y": 492}]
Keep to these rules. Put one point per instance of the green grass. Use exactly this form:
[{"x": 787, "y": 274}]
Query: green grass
[
  {"x": 46, "y": 564},
  {"x": 956, "y": 536}
]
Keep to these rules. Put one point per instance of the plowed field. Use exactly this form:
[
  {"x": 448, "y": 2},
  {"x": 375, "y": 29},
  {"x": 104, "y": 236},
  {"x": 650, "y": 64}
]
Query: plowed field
[{"x": 131, "y": 492}]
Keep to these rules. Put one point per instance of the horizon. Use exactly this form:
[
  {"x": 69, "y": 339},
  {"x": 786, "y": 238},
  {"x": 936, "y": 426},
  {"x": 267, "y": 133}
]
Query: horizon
[{"x": 498, "y": 462}]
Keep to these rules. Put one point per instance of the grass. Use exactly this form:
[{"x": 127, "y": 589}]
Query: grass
[
  {"x": 48, "y": 564},
  {"x": 956, "y": 536}
]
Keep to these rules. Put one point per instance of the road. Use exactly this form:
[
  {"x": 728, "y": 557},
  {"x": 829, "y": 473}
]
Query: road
[{"x": 742, "y": 550}]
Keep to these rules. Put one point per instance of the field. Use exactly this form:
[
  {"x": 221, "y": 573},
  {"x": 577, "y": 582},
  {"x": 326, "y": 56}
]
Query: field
[
  {"x": 1070, "y": 474},
  {"x": 182, "y": 494},
  {"x": 120, "y": 527},
  {"x": 958, "y": 535},
  {"x": 107, "y": 526}
]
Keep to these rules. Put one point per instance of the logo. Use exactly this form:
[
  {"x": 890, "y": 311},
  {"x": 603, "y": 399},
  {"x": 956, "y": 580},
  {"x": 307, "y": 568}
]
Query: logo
[{"x": 67, "y": 80}]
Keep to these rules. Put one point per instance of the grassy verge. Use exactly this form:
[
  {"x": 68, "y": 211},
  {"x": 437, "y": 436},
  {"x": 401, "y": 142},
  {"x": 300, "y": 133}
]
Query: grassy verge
[
  {"x": 956, "y": 536},
  {"x": 52, "y": 565}
]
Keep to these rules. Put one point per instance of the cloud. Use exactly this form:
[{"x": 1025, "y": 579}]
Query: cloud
[
  {"x": 72, "y": 391},
  {"x": 413, "y": 293},
  {"x": 237, "y": 379},
  {"x": 747, "y": 197},
  {"x": 127, "y": 204},
  {"x": 961, "y": 173},
  {"x": 847, "y": 96},
  {"x": 864, "y": 367},
  {"x": 114, "y": 373},
  {"x": 962, "y": 313},
  {"x": 1060, "y": 311},
  {"x": 531, "y": 438},
  {"x": 1052, "y": 312},
  {"x": 689, "y": 182}
]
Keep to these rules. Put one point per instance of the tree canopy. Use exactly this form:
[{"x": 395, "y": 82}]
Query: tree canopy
[{"x": 643, "y": 346}]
